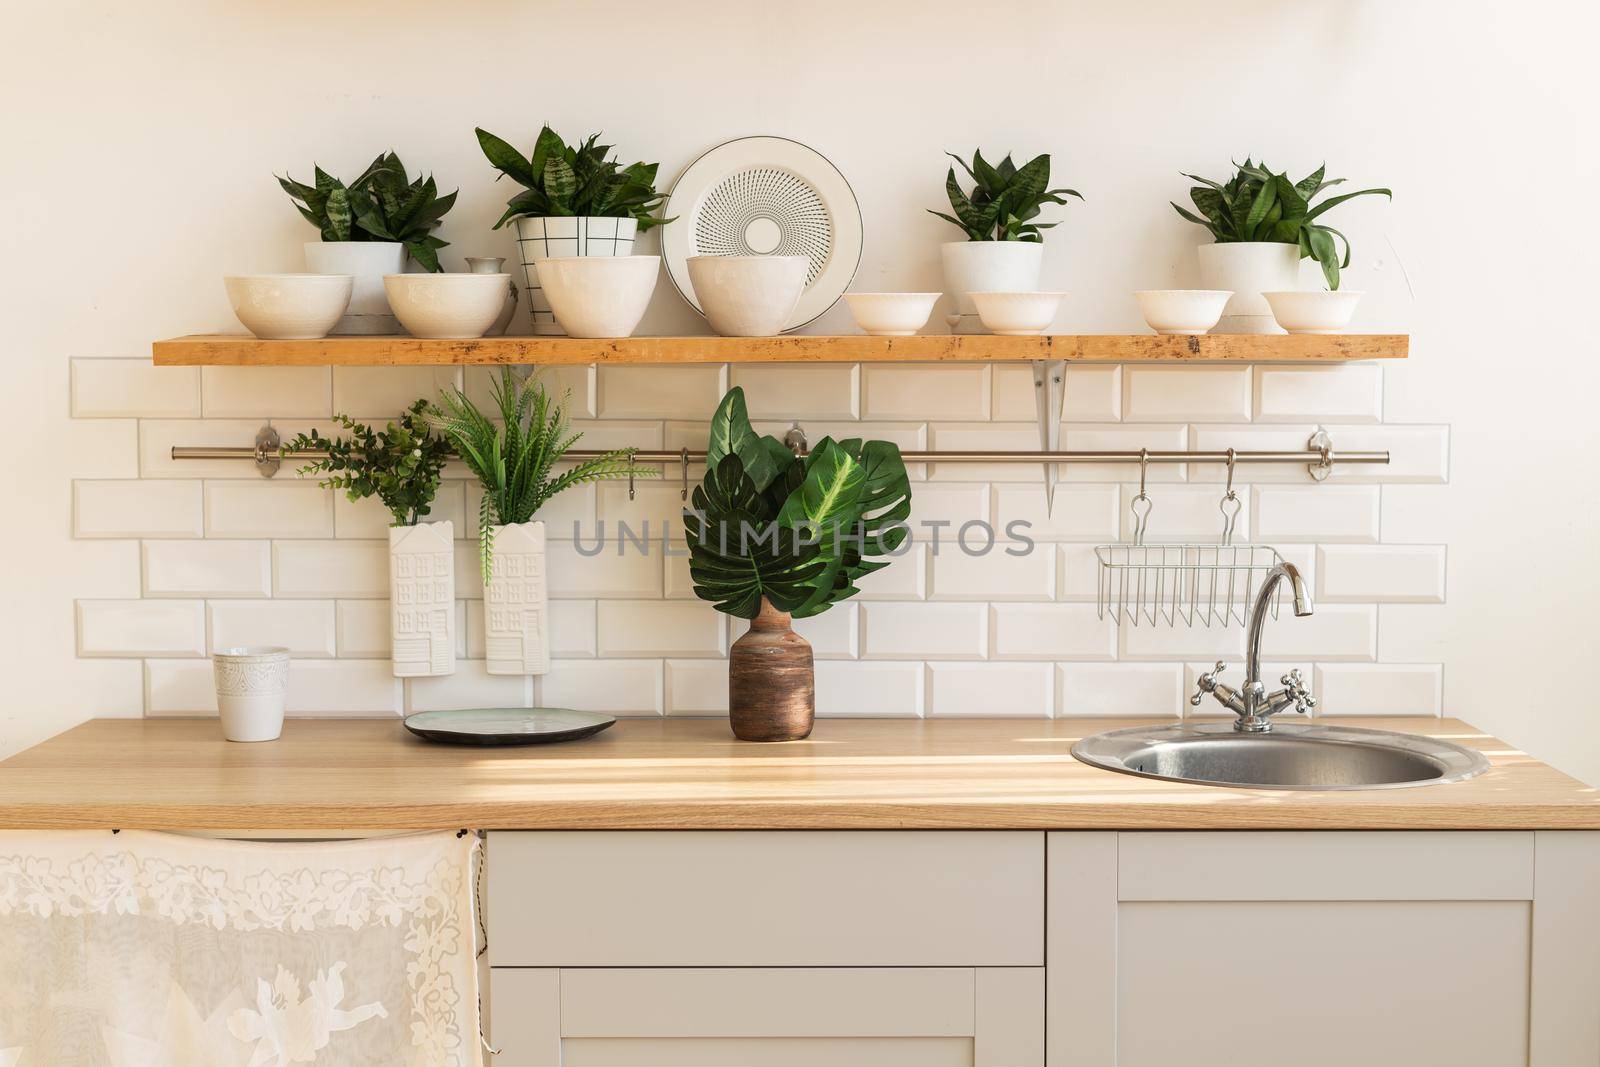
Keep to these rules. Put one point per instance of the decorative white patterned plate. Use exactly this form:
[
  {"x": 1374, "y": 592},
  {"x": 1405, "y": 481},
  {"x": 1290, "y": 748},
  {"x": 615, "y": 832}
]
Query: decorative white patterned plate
[{"x": 766, "y": 196}]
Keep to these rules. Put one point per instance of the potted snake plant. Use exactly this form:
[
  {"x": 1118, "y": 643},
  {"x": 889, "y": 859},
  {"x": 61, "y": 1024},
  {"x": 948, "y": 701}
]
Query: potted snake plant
[
  {"x": 1004, "y": 247},
  {"x": 774, "y": 537},
  {"x": 1262, "y": 225}
]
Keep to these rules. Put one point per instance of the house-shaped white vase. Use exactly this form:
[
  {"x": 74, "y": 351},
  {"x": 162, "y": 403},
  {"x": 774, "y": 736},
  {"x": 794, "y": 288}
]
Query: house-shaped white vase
[
  {"x": 516, "y": 609},
  {"x": 422, "y": 599}
]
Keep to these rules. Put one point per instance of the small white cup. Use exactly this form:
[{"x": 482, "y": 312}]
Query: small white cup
[{"x": 252, "y": 684}]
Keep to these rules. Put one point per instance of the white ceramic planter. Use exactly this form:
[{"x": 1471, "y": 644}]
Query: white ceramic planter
[
  {"x": 988, "y": 267},
  {"x": 289, "y": 306},
  {"x": 516, "y": 611},
  {"x": 748, "y": 296},
  {"x": 366, "y": 262},
  {"x": 599, "y": 296},
  {"x": 252, "y": 688},
  {"x": 1247, "y": 269},
  {"x": 1314, "y": 311},
  {"x": 461, "y": 306},
  {"x": 422, "y": 599},
  {"x": 559, "y": 236}
]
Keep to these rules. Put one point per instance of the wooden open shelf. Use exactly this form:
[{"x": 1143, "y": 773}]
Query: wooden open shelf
[{"x": 242, "y": 350}]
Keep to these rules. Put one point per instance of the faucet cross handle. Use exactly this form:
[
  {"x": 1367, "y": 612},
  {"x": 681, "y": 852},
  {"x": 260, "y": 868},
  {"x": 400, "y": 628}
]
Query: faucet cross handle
[
  {"x": 1294, "y": 687},
  {"x": 1207, "y": 683}
]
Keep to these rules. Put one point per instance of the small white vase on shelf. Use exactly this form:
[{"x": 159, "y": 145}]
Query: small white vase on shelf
[
  {"x": 558, "y": 236},
  {"x": 516, "y": 609},
  {"x": 252, "y": 688},
  {"x": 496, "y": 265},
  {"x": 1248, "y": 269},
  {"x": 988, "y": 267},
  {"x": 367, "y": 262},
  {"x": 422, "y": 599}
]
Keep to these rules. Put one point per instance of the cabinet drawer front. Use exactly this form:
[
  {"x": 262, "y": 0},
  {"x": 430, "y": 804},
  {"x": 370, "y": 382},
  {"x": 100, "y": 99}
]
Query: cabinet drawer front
[{"x": 777, "y": 899}]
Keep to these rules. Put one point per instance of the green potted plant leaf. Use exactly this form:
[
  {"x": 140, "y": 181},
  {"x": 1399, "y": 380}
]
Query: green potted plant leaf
[
  {"x": 514, "y": 451},
  {"x": 400, "y": 464},
  {"x": 368, "y": 229},
  {"x": 575, "y": 201},
  {"x": 1003, "y": 248},
  {"x": 1263, "y": 224},
  {"x": 773, "y": 537}
]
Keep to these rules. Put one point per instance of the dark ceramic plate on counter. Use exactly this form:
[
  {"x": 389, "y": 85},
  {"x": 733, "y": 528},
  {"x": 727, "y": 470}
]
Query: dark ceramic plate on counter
[{"x": 507, "y": 726}]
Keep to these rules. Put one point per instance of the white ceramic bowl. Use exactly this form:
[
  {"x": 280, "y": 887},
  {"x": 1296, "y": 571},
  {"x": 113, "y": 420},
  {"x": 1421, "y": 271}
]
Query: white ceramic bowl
[
  {"x": 289, "y": 307},
  {"x": 1182, "y": 310},
  {"x": 891, "y": 314},
  {"x": 599, "y": 296},
  {"x": 1017, "y": 314},
  {"x": 748, "y": 296},
  {"x": 1314, "y": 311},
  {"x": 446, "y": 305}
]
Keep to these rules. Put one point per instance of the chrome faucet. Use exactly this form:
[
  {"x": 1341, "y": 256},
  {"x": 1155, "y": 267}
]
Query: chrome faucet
[{"x": 1251, "y": 702}]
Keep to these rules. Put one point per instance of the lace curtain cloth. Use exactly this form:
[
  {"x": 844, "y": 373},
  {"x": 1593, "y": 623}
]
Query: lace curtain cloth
[{"x": 152, "y": 949}]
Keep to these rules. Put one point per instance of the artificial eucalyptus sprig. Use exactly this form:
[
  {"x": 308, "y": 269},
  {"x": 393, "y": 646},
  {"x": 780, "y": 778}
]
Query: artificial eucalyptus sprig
[
  {"x": 515, "y": 457},
  {"x": 1005, "y": 198},
  {"x": 383, "y": 204},
  {"x": 564, "y": 180},
  {"x": 399, "y": 464},
  {"x": 1258, "y": 205}
]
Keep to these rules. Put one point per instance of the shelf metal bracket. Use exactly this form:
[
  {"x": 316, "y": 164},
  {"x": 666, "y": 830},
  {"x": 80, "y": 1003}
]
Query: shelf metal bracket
[
  {"x": 1049, "y": 389},
  {"x": 267, "y": 456},
  {"x": 1322, "y": 444}
]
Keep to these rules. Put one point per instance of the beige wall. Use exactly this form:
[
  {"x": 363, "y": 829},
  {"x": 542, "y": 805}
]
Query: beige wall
[{"x": 139, "y": 142}]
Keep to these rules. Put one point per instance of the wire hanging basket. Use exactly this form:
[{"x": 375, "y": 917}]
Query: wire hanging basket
[{"x": 1182, "y": 583}]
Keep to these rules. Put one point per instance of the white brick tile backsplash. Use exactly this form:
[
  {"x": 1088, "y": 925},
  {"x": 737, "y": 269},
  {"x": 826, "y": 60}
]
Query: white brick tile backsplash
[
  {"x": 1247, "y": 438},
  {"x": 1077, "y": 571},
  {"x": 799, "y": 390},
  {"x": 1186, "y": 394},
  {"x": 1416, "y": 453},
  {"x": 632, "y": 574},
  {"x": 870, "y": 690},
  {"x": 208, "y": 568},
  {"x": 305, "y": 627},
  {"x": 1335, "y": 632},
  {"x": 471, "y": 686},
  {"x": 1186, "y": 513},
  {"x": 1381, "y": 573},
  {"x": 657, "y": 628},
  {"x": 599, "y": 435},
  {"x": 1380, "y": 689},
  {"x": 1327, "y": 513},
  {"x": 128, "y": 628},
  {"x": 361, "y": 627},
  {"x": 924, "y": 631},
  {"x": 268, "y": 509},
  {"x": 983, "y": 437},
  {"x": 1413, "y": 633},
  {"x": 133, "y": 388},
  {"x": 1414, "y": 514},
  {"x": 105, "y": 688},
  {"x": 1081, "y": 511},
  {"x": 109, "y": 570},
  {"x": 1005, "y": 690},
  {"x": 1006, "y": 571},
  {"x": 922, "y": 391},
  {"x": 368, "y": 518},
  {"x": 1089, "y": 393},
  {"x": 949, "y": 503},
  {"x": 158, "y": 436},
  {"x": 332, "y": 569},
  {"x": 1051, "y": 632},
  {"x": 616, "y": 686},
  {"x": 906, "y": 576},
  {"x": 131, "y": 508},
  {"x": 270, "y": 392},
  {"x": 833, "y": 635},
  {"x": 1156, "y": 437},
  {"x": 1163, "y": 642},
  {"x": 669, "y": 392},
  {"x": 101, "y": 448},
  {"x": 368, "y": 393},
  {"x": 572, "y": 627},
  {"x": 179, "y": 687},
  {"x": 697, "y": 687},
  {"x": 342, "y": 687},
  {"x": 1124, "y": 690},
  {"x": 1352, "y": 393}
]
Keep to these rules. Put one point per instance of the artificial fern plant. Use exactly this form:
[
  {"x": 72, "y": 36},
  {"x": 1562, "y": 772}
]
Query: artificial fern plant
[
  {"x": 399, "y": 464},
  {"x": 382, "y": 204},
  {"x": 514, "y": 452},
  {"x": 797, "y": 531},
  {"x": 566, "y": 180},
  {"x": 1258, "y": 205},
  {"x": 1005, "y": 198}
]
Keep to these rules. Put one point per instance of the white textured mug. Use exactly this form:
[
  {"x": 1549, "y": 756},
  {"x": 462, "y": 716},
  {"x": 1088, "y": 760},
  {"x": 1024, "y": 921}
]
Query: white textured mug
[{"x": 252, "y": 684}]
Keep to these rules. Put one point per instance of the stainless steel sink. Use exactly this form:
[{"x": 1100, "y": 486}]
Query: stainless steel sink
[{"x": 1290, "y": 756}]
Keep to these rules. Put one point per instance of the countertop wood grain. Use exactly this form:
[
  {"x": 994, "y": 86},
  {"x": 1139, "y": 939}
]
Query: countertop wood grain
[{"x": 366, "y": 774}]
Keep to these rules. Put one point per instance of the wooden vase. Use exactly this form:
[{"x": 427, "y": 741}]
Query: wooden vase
[{"x": 772, "y": 692}]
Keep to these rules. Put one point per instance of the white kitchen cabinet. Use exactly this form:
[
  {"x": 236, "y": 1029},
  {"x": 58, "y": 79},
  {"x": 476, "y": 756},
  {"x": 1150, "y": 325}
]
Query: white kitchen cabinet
[
  {"x": 768, "y": 1017},
  {"x": 1324, "y": 949}
]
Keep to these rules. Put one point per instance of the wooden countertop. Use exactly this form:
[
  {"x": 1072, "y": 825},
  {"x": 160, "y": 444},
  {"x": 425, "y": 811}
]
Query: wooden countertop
[{"x": 362, "y": 774}]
